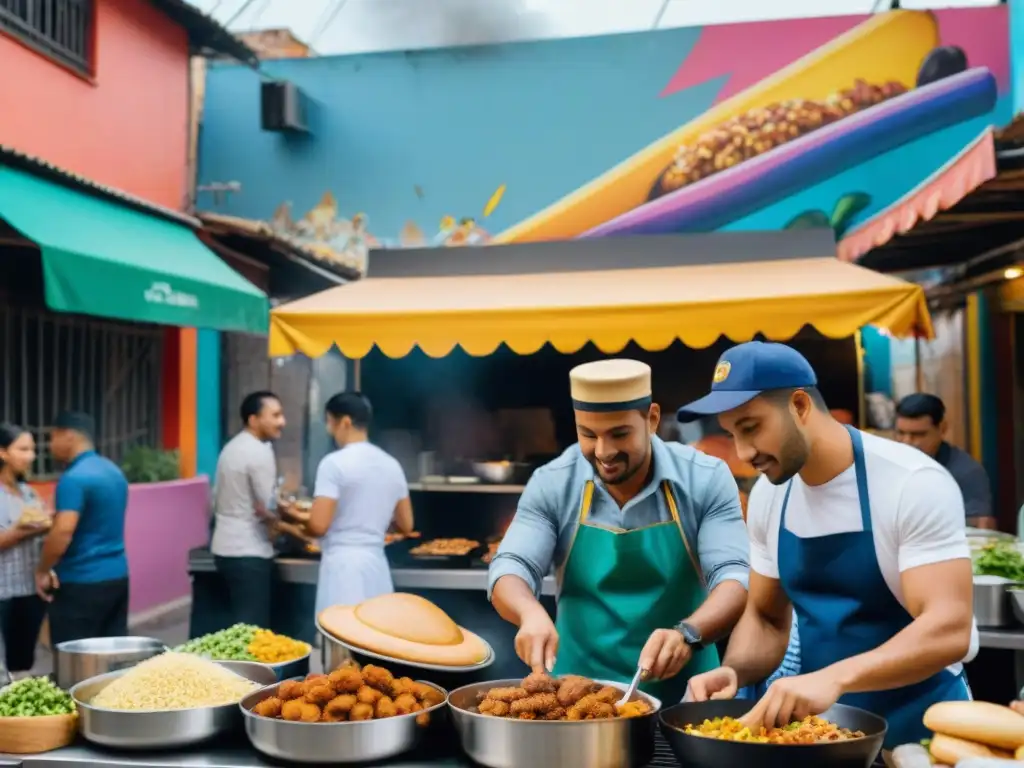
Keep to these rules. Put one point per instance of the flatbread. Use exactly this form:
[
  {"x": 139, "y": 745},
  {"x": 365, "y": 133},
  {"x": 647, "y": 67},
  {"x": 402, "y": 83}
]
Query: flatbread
[{"x": 405, "y": 627}]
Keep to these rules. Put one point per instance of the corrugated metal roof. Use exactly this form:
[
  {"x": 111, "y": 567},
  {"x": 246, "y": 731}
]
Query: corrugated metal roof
[
  {"x": 206, "y": 33},
  {"x": 317, "y": 253},
  {"x": 15, "y": 158}
]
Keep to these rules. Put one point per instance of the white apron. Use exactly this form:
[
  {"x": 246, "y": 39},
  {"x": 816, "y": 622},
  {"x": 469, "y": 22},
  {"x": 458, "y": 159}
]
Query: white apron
[{"x": 350, "y": 574}]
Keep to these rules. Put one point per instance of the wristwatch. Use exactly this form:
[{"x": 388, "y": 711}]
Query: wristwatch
[{"x": 691, "y": 636}]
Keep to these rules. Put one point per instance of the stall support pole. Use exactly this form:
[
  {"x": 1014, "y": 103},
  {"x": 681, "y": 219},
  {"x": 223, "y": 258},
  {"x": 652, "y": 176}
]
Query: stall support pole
[
  {"x": 858, "y": 343},
  {"x": 918, "y": 368},
  {"x": 973, "y": 343},
  {"x": 357, "y": 375}
]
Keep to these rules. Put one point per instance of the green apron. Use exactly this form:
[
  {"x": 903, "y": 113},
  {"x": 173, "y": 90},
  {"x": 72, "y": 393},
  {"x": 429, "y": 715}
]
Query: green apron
[{"x": 617, "y": 588}]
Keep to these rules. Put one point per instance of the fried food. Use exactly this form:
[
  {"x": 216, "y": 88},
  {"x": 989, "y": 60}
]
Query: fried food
[
  {"x": 377, "y": 677},
  {"x": 538, "y": 704},
  {"x": 406, "y": 703},
  {"x": 350, "y": 693},
  {"x": 361, "y": 711},
  {"x": 572, "y": 697},
  {"x": 385, "y": 707},
  {"x": 291, "y": 689},
  {"x": 539, "y": 682},
  {"x": 810, "y": 730},
  {"x": 574, "y": 688},
  {"x": 269, "y": 707},
  {"x": 444, "y": 548},
  {"x": 319, "y": 694},
  {"x": 346, "y": 679}
]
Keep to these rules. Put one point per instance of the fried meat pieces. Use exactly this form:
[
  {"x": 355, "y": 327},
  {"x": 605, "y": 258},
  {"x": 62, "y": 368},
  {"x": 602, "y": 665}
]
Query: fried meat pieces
[{"x": 542, "y": 697}]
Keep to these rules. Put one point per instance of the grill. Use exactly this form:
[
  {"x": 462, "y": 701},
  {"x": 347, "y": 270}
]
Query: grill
[{"x": 663, "y": 757}]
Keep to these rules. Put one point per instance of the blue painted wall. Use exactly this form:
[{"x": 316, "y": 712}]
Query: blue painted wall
[{"x": 208, "y": 397}]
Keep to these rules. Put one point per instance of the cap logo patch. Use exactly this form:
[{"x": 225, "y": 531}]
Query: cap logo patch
[{"x": 721, "y": 372}]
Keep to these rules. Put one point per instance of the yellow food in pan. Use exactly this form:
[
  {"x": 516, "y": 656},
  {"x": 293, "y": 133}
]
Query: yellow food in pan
[
  {"x": 810, "y": 730},
  {"x": 885, "y": 48}
]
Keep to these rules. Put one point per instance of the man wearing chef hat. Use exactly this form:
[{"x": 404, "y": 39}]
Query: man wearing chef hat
[
  {"x": 647, "y": 538},
  {"x": 863, "y": 536}
]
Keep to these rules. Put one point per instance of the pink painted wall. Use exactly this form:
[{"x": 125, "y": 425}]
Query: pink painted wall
[{"x": 165, "y": 521}]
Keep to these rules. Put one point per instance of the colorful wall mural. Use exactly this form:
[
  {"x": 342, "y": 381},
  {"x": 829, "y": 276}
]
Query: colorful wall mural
[{"x": 810, "y": 122}]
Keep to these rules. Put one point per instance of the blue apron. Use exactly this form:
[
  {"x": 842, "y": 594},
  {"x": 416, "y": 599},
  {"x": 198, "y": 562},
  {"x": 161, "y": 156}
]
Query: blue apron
[{"x": 845, "y": 608}]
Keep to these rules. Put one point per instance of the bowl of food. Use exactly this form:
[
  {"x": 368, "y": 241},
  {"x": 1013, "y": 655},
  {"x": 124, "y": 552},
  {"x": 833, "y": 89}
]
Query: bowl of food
[
  {"x": 409, "y": 634},
  {"x": 171, "y": 700},
  {"x": 78, "y": 660},
  {"x": 572, "y": 722},
  {"x": 709, "y": 735},
  {"x": 353, "y": 715},
  {"x": 244, "y": 642},
  {"x": 501, "y": 472},
  {"x": 35, "y": 716}
]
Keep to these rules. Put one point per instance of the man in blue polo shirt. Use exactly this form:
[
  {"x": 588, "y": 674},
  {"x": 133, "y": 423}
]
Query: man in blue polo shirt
[{"x": 83, "y": 571}]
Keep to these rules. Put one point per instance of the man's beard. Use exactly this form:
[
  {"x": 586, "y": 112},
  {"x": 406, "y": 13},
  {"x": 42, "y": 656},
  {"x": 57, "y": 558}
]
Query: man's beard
[
  {"x": 628, "y": 469},
  {"x": 792, "y": 456}
]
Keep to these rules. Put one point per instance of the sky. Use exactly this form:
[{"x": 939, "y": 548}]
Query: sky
[{"x": 351, "y": 26}]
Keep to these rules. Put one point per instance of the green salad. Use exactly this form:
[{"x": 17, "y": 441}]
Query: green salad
[
  {"x": 231, "y": 644},
  {"x": 34, "y": 697},
  {"x": 1000, "y": 559}
]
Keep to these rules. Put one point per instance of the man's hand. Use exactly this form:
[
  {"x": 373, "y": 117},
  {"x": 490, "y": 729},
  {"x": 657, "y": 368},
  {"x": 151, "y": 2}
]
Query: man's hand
[
  {"x": 46, "y": 584},
  {"x": 33, "y": 528},
  {"x": 720, "y": 683},
  {"x": 794, "y": 698},
  {"x": 537, "y": 640},
  {"x": 665, "y": 654}
]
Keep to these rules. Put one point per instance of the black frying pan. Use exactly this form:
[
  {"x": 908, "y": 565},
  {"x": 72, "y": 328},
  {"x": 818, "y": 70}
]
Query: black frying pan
[{"x": 703, "y": 752}]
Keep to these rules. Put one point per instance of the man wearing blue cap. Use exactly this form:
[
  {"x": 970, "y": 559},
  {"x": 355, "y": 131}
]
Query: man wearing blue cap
[
  {"x": 647, "y": 539},
  {"x": 862, "y": 536}
]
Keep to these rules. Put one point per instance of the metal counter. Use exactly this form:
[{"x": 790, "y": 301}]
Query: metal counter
[{"x": 297, "y": 570}]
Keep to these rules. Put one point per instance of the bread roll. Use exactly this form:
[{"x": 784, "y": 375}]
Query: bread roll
[
  {"x": 405, "y": 627},
  {"x": 1020, "y": 754},
  {"x": 978, "y": 721},
  {"x": 950, "y": 750}
]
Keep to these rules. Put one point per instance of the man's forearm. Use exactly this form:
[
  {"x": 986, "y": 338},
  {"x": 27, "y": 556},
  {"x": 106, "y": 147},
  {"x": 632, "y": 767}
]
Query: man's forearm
[
  {"x": 927, "y": 646},
  {"x": 54, "y": 546},
  {"x": 513, "y": 598},
  {"x": 757, "y": 646},
  {"x": 718, "y": 614}
]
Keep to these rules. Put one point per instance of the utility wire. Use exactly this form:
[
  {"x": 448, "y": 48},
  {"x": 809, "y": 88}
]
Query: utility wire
[
  {"x": 329, "y": 17},
  {"x": 239, "y": 12}
]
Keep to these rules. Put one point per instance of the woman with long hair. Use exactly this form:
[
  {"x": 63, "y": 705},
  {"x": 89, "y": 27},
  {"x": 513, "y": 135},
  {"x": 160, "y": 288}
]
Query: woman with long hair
[{"x": 22, "y": 522}]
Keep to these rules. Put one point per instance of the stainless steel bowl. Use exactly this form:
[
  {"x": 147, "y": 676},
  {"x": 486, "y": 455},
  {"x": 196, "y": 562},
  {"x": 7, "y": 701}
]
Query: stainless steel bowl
[
  {"x": 360, "y": 742},
  {"x": 992, "y": 601},
  {"x": 159, "y": 729},
  {"x": 1016, "y": 593},
  {"x": 78, "y": 660},
  {"x": 497, "y": 472},
  {"x": 498, "y": 742}
]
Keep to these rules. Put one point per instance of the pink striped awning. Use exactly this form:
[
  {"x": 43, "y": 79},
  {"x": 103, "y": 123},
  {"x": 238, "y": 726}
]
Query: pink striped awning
[{"x": 964, "y": 173}]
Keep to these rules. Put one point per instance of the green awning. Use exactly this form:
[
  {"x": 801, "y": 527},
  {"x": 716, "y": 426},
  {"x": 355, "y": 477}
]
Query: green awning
[{"x": 107, "y": 259}]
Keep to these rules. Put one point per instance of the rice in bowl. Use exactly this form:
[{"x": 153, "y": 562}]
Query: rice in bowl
[{"x": 174, "y": 681}]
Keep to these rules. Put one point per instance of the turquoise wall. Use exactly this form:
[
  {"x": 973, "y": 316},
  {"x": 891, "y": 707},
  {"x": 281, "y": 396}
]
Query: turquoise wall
[{"x": 208, "y": 397}]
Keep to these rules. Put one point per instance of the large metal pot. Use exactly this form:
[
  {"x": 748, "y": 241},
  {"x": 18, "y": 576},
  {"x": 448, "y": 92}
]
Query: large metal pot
[
  {"x": 335, "y": 652},
  {"x": 704, "y": 752},
  {"x": 78, "y": 660},
  {"x": 360, "y": 742},
  {"x": 498, "y": 742},
  {"x": 992, "y": 606},
  {"x": 159, "y": 729}
]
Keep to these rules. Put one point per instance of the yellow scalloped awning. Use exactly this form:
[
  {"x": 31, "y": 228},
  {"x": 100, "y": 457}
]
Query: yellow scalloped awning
[{"x": 651, "y": 306}]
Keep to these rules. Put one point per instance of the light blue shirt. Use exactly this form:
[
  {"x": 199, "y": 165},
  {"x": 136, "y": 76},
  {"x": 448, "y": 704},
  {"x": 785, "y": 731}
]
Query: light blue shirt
[
  {"x": 709, "y": 509},
  {"x": 790, "y": 666}
]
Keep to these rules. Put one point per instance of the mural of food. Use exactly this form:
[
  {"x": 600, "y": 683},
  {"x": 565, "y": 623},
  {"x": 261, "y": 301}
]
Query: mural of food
[{"x": 885, "y": 52}]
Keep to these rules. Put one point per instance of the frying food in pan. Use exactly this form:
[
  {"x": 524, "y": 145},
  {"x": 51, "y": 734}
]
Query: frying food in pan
[
  {"x": 542, "y": 697},
  {"x": 810, "y": 730}
]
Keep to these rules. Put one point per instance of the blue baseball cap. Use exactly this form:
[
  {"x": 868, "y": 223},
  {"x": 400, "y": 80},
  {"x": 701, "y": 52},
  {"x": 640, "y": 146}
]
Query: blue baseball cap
[{"x": 747, "y": 370}]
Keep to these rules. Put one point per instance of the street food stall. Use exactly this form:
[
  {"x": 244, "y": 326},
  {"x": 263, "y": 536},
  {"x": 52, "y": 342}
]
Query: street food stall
[{"x": 671, "y": 301}]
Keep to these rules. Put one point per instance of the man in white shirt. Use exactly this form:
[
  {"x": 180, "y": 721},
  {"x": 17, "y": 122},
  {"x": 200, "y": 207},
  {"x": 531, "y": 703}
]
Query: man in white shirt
[
  {"x": 863, "y": 536},
  {"x": 360, "y": 492},
  {"x": 243, "y": 504}
]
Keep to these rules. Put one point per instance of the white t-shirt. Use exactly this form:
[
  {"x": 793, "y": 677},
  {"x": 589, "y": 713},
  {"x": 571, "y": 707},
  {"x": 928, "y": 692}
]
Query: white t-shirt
[
  {"x": 367, "y": 483},
  {"x": 917, "y": 514}
]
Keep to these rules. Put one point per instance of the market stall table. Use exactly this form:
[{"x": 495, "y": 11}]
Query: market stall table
[{"x": 238, "y": 754}]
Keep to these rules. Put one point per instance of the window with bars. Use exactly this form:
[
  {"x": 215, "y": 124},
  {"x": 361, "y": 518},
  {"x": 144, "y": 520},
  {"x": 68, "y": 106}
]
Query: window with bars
[
  {"x": 51, "y": 362},
  {"x": 60, "y": 29}
]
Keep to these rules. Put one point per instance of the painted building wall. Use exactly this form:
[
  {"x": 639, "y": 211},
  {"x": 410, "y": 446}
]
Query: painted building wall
[{"x": 125, "y": 126}]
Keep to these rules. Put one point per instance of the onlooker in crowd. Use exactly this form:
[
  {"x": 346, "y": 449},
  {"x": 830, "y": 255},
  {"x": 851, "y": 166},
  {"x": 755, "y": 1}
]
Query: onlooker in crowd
[
  {"x": 83, "y": 570},
  {"x": 21, "y": 610},
  {"x": 921, "y": 422},
  {"x": 243, "y": 506}
]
